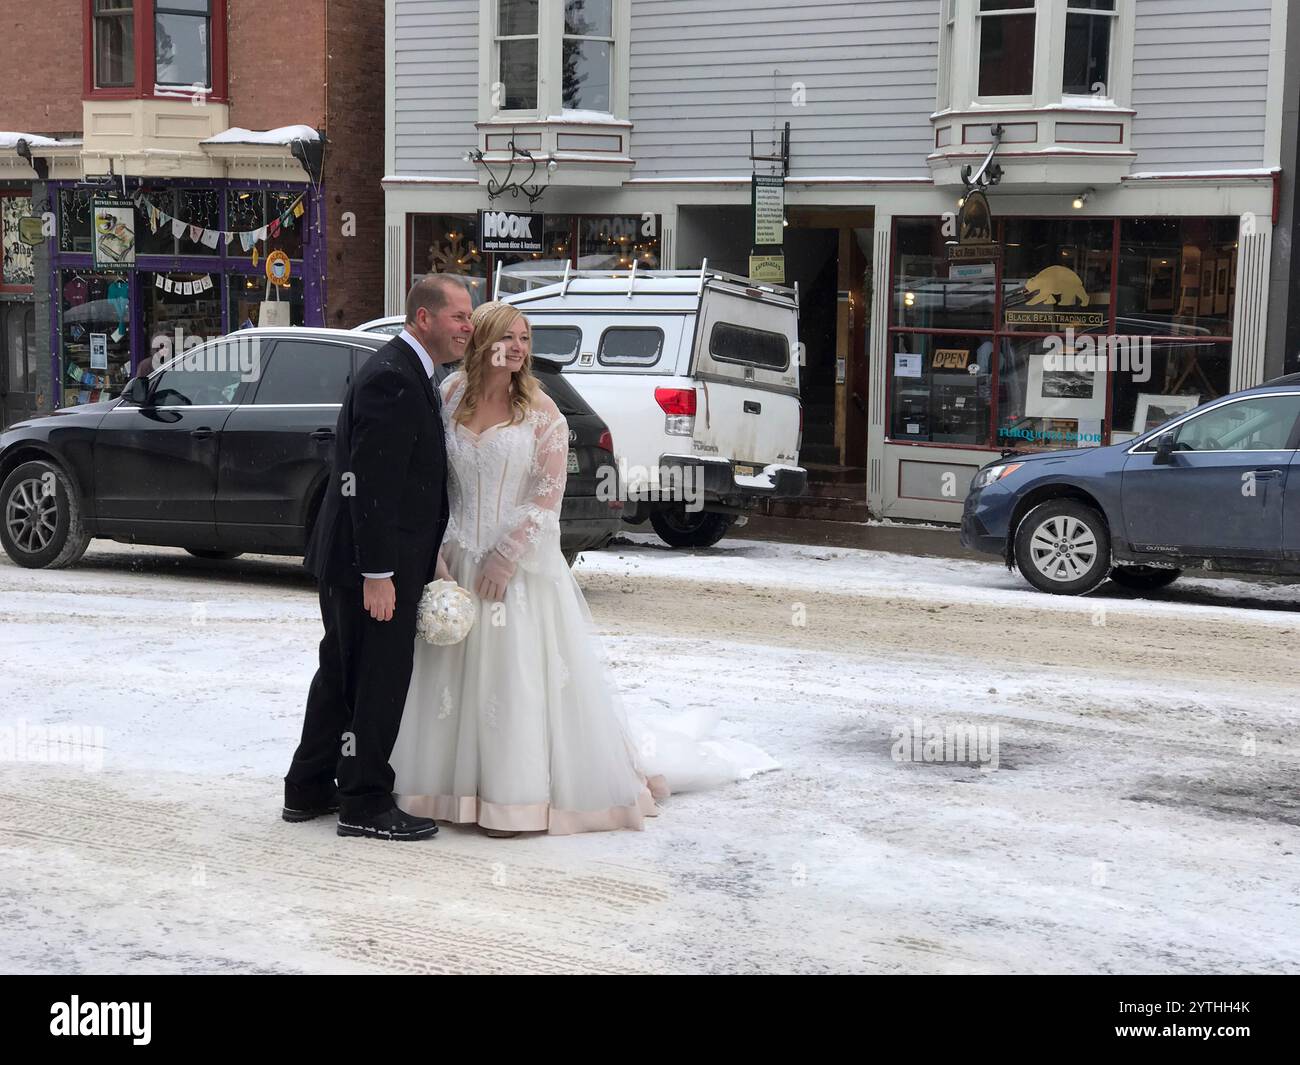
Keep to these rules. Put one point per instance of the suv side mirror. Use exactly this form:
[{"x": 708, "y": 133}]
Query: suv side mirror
[
  {"x": 1164, "y": 449},
  {"x": 137, "y": 392}
]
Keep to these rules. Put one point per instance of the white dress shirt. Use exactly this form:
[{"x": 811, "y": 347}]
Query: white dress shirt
[{"x": 427, "y": 363}]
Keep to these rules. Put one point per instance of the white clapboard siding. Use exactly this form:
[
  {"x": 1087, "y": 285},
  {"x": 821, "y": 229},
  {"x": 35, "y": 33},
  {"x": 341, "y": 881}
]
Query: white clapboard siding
[
  {"x": 1200, "y": 83},
  {"x": 435, "y": 86},
  {"x": 701, "y": 77}
]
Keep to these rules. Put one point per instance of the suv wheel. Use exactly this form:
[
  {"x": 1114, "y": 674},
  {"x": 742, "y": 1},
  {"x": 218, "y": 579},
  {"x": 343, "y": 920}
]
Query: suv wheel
[
  {"x": 1063, "y": 547},
  {"x": 677, "y": 528},
  {"x": 1144, "y": 578},
  {"x": 40, "y": 517}
]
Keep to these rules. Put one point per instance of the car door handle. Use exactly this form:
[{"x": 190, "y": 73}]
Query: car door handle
[
  {"x": 1264, "y": 475},
  {"x": 753, "y": 408},
  {"x": 203, "y": 433},
  {"x": 323, "y": 434}
]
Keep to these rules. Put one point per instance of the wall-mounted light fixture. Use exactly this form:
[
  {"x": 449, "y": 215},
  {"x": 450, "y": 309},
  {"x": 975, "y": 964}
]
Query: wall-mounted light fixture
[{"x": 1082, "y": 198}]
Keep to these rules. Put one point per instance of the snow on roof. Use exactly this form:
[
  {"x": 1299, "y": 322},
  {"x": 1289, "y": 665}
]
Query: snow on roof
[
  {"x": 10, "y": 140},
  {"x": 283, "y": 135}
]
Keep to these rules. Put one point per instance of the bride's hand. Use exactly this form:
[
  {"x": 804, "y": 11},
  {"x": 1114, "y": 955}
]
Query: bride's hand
[
  {"x": 496, "y": 574},
  {"x": 440, "y": 570}
]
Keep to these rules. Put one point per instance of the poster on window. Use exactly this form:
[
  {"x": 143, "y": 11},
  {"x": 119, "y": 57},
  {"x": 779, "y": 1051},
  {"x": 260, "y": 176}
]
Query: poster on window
[{"x": 113, "y": 233}]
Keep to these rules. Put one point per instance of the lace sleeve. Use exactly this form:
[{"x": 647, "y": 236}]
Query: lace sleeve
[{"x": 540, "y": 512}]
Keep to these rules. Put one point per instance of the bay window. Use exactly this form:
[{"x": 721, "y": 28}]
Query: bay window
[
  {"x": 141, "y": 48},
  {"x": 113, "y": 29},
  {"x": 182, "y": 43},
  {"x": 1087, "y": 47},
  {"x": 554, "y": 56},
  {"x": 1006, "y": 47}
]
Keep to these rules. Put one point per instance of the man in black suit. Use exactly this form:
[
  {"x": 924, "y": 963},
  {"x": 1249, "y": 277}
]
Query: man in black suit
[{"x": 373, "y": 549}]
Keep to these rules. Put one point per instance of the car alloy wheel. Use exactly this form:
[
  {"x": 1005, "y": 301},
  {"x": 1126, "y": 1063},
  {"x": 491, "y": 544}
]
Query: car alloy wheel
[
  {"x": 1063, "y": 548},
  {"x": 31, "y": 515}
]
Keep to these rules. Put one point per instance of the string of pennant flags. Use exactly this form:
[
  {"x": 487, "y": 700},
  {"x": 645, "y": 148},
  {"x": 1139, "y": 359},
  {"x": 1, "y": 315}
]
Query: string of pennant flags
[
  {"x": 210, "y": 238},
  {"x": 184, "y": 288}
]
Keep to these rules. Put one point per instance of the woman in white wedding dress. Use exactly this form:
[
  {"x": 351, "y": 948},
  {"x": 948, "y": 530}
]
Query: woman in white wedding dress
[{"x": 518, "y": 728}]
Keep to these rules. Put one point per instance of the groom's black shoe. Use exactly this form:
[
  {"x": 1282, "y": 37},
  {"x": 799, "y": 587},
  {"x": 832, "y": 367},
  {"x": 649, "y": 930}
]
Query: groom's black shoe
[
  {"x": 298, "y": 809},
  {"x": 390, "y": 824}
]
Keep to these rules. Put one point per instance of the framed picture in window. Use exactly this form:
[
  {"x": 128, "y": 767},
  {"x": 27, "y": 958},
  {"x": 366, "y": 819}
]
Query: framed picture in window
[
  {"x": 1064, "y": 393},
  {"x": 1221, "y": 287},
  {"x": 1207, "y": 286},
  {"x": 1154, "y": 411},
  {"x": 1160, "y": 284}
]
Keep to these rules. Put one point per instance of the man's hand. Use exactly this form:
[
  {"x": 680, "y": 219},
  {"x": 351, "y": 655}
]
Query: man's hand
[
  {"x": 380, "y": 598},
  {"x": 496, "y": 574}
]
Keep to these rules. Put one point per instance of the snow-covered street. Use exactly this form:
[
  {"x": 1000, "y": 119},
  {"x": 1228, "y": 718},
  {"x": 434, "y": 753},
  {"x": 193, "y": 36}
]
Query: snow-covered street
[{"x": 1132, "y": 803}]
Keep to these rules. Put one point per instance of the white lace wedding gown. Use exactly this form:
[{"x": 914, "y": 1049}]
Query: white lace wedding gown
[{"x": 519, "y": 727}]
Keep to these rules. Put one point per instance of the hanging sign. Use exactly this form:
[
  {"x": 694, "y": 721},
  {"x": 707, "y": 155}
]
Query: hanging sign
[
  {"x": 509, "y": 231},
  {"x": 113, "y": 232},
  {"x": 767, "y": 268},
  {"x": 974, "y": 230},
  {"x": 278, "y": 269},
  {"x": 768, "y": 195}
]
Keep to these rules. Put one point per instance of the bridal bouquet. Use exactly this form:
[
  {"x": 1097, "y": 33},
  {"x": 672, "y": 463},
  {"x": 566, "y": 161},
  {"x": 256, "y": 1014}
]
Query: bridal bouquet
[{"x": 445, "y": 613}]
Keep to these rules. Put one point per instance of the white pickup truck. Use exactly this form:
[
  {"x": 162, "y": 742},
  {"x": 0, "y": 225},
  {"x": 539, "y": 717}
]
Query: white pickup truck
[{"x": 697, "y": 376}]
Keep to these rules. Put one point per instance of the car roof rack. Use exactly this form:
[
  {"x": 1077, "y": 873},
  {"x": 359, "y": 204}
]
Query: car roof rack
[{"x": 635, "y": 278}]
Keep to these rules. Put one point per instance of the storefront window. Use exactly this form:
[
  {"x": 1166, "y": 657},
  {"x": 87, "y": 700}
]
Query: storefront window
[
  {"x": 448, "y": 244},
  {"x": 941, "y": 388},
  {"x": 95, "y": 334},
  {"x": 193, "y": 227},
  {"x": 74, "y": 221},
  {"x": 248, "y": 210},
  {"x": 929, "y": 291},
  {"x": 179, "y": 309},
  {"x": 252, "y": 303},
  {"x": 557, "y": 240},
  {"x": 616, "y": 242},
  {"x": 1177, "y": 276},
  {"x": 1052, "y": 361}
]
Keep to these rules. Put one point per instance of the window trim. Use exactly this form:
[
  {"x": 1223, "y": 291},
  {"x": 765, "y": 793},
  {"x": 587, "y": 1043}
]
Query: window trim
[
  {"x": 144, "y": 86},
  {"x": 550, "y": 58}
]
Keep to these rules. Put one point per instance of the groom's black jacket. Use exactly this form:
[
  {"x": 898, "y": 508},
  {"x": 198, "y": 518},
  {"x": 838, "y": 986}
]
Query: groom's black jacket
[{"x": 385, "y": 507}]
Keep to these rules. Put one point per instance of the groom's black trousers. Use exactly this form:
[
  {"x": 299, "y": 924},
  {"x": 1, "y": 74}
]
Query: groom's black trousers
[{"x": 354, "y": 707}]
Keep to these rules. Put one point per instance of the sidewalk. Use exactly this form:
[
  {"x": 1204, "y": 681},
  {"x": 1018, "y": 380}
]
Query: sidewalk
[{"x": 926, "y": 540}]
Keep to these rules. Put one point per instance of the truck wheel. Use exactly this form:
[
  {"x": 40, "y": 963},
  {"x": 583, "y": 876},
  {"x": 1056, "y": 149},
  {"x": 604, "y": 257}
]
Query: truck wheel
[
  {"x": 40, "y": 527},
  {"x": 1063, "y": 547},
  {"x": 677, "y": 528}
]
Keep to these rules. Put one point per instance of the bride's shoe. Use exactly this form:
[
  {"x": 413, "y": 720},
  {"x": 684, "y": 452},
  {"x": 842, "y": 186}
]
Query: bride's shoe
[{"x": 497, "y": 833}]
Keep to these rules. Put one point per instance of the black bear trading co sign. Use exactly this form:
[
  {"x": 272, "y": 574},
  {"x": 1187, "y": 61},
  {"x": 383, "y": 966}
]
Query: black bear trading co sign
[{"x": 509, "y": 231}]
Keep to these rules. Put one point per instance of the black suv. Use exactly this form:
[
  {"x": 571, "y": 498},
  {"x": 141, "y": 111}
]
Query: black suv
[{"x": 227, "y": 450}]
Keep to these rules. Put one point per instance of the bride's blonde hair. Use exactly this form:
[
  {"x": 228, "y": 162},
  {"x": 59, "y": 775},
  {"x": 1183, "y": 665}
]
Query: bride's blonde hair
[{"x": 491, "y": 322}]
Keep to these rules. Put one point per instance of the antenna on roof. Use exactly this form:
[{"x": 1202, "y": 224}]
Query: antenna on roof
[
  {"x": 704, "y": 268},
  {"x": 631, "y": 281}
]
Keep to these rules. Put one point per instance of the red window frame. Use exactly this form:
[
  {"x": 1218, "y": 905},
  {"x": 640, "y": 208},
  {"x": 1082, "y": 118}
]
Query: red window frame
[{"x": 145, "y": 67}]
